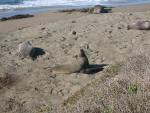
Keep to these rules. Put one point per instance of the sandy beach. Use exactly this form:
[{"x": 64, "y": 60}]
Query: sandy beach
[
  {"x": 54, "y": 16},
  {"x": 104, "y": 37}
]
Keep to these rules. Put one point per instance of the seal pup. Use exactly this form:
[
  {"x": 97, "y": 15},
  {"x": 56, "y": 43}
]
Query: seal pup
[
  {"x": 140, "y": 25},
  {"x": 24, "y": 49},
  {"x": 81, "y": 63}
]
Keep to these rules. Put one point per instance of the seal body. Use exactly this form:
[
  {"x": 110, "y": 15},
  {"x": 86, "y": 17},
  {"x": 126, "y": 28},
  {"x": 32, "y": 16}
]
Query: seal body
[
  {"x": 24, "y": 49},
  {"x": 66, "y": 69},
  {"x": 97, "y": 9},
  {"x": 81, "y": 63},
  {"x": 140, "y": 25}
]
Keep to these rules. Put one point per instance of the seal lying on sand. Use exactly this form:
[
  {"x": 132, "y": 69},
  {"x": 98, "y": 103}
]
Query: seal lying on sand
[
  {"x": 81, "y": 65},
  {"x": 82, "y": 62},
  {"x": 24, "y": 49},
  {"x": 140, "y": 25}
]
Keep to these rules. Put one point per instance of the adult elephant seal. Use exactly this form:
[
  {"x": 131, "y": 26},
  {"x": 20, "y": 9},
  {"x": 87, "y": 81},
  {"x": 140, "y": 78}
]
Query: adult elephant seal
[
  {"x": 80, "y": 64},
  {"x": 140, "y": 25}
]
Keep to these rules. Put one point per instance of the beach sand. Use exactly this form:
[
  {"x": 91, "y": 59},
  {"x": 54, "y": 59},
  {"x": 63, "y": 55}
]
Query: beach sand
[
  {"x": 104, "y": 37},
  {"x": 50, "y": 17}
]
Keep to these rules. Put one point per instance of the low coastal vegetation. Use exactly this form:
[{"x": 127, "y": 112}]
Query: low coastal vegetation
[{"x": 123, "y": 88}]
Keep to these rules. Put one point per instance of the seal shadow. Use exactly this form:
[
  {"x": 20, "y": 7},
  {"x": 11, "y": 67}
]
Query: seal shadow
[
  {"x": 35, "y": 52},
  {"x": 94, "y": 68}
]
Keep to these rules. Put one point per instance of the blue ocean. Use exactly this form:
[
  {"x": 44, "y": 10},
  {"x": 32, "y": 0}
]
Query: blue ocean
[
  {"x": 31, "y": 6},
  {"x": 16, "y": 4}
]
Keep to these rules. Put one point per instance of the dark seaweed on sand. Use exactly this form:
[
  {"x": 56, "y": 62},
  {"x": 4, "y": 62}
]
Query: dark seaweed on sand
[{"x": 20, "y": 16}]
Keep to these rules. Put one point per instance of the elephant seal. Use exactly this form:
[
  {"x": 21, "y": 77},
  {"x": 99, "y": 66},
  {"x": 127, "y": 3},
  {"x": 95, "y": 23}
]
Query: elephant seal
[
  {"x": 81, "y": 63},
  {"x": 140, "y": 25},
  {"x": 24, "y": 49},
  {"x": 97, "y": 9}
]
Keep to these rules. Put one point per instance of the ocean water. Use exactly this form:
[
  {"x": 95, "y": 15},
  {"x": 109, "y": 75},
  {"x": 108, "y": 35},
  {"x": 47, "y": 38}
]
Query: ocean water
[
  {"x": 17, "y": 4},
  {"x": 12, "y": 7}
]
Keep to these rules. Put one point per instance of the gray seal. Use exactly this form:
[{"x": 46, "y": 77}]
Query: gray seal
[
  {"x": 24, "y": 49},
  {"x": 140, "y": 25},
  {"x": 81, "y": 63}
]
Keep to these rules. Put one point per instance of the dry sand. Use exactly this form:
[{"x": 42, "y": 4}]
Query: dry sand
[
  {"x": 104, "y": 37},
  {"x": 41, "y": 18}
]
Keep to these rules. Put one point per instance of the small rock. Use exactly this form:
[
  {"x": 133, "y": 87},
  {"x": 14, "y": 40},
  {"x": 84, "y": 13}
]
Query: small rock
[
  {"x": 53, "y": 76},
  {"x": 20, "y": 28},
  {"x": 110, "y": 32},
  {"x": 63, "y": 39},
  {"x": 75, "y": 38},
  {"x": 109, "y": 37},
  {"x": 40, "y": 37},
  {"x": 119, "y": 28},
  {"x": 54, "y": 31},
  {"x": 49, "y": 34},
  {"x": 130, "y": 14},
  {"x": 111, "y": 26},
  {"x": 66, "y": 51},
  {"x": 36, "y": 89},
  {"x": 43, "y": 28},
  {"x": 5, "y": 40},
  {"x": 73, "y": 21},
  {"x": 74, "y": 32}
]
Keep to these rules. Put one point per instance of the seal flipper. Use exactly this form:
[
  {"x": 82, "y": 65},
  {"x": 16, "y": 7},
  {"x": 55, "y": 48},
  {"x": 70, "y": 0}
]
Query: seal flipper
[{"x": 92, "y": 70}]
